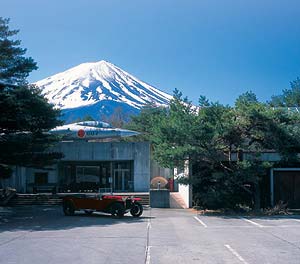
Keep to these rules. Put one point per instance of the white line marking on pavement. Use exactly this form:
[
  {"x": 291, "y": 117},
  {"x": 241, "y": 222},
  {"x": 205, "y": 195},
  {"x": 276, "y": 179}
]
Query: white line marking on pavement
[
  {"x": 297, "y": 220},
  {"x": 251, "y": 222},
  {"x": 148, "y": 258},
  {"x": 200, "y": 221},
  {"x": 147, "y": 253},
  {"x": 235, "y": 254}
]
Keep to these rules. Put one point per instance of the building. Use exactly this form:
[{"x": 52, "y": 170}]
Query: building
[{"x": 87, "y": 166}]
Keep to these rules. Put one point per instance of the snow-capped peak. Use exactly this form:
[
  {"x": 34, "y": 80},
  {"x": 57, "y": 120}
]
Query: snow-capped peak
[{"x": 90, "y": 83}]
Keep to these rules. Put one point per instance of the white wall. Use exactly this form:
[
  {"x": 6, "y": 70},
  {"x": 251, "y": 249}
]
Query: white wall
[
  {"x": 185, "y": 191},
  {"x": 186, "y": 194}
]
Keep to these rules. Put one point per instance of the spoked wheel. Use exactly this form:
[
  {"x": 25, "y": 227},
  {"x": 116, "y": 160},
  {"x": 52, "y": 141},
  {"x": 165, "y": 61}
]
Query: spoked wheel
[
  {"x": 68, "y": 208},
  {"x": 117, "y": 209},
  {"x": 136, "y": 209}
]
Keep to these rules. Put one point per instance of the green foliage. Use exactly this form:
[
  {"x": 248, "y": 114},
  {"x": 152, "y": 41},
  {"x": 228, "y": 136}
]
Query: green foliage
[
  {"x": 14, "y": 67},
  {"x": 172, "y": 142},
  {"x": 203, "y": 101},
  {"x": 25, "y": 113},
  {"x": 289, "y": 98},
  {"x": 224, "y": 144},
  {"x": 246, "y": 99},
  {"x": 146, "y": 122},
  {"x": 24, "y": 109}
]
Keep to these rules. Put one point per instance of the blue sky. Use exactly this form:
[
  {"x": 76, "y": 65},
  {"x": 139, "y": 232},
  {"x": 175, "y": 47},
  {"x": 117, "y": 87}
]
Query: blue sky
[{"x": 215, "y": 48}]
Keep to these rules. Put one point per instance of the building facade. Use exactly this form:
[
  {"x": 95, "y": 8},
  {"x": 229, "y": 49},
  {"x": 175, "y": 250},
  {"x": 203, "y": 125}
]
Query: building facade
[{"x": 87, "y": 166}]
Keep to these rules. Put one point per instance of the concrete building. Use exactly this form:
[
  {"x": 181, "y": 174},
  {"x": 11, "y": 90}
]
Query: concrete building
[{"x": 87, "y": 166}]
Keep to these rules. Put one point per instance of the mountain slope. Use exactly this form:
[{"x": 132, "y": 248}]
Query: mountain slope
[{"x": 98, "y": 89}]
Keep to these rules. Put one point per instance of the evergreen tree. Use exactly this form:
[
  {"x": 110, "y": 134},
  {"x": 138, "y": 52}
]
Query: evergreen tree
[
  {"x": 246, "y": 98},
  {"x": 289, "y": 98},
  {"x": 145, "y": 122},
  {"x": 25, "y": 113},
  {"x": 215, "y": 139},
  {"x": 14, "y": 67}
]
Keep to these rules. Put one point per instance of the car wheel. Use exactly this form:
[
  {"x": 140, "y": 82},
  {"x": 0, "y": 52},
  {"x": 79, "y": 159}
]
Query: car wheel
[
  {"x": 136, "y": 210},
  {"x": 117, "y": 209},
  {"x": 88, "y": 212},
  {"x": 68, "y": 208}
]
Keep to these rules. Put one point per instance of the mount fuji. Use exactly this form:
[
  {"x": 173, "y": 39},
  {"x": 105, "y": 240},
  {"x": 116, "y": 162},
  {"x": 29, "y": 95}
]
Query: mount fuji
[{"x": 98, "y": 89}]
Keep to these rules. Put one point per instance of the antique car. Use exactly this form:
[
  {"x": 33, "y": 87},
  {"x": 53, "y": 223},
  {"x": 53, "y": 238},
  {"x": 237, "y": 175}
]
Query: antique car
[{"x": 115, "y": 205}]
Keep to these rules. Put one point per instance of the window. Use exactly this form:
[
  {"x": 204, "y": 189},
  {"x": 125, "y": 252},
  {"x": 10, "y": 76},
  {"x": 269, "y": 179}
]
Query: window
[
  {"x": 41, "y": 178},
  {"x": 87, "y": 174},
  {"x": 122, "y": 165}
]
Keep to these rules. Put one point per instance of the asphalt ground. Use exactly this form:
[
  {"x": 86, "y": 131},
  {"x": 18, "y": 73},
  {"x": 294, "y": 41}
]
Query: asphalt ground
[{"x": 45, "y": 235}]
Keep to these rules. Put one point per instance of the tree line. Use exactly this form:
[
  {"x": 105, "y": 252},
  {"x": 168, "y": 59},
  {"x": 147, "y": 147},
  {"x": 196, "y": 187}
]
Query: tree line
[{"x": 224, "y": 144}]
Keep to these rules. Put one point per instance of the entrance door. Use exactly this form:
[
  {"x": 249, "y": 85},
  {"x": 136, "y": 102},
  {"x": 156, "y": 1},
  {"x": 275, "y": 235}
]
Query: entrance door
[
  {"x": 121, "y": 180},
  {"x": 287, "y": 188}
]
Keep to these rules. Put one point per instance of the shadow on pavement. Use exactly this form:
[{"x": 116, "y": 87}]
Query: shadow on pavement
[{"x": 35, "y": 218}]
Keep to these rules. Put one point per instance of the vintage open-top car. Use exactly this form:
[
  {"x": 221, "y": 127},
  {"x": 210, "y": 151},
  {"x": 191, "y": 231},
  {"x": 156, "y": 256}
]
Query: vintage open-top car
[{"x": 115, "y": 205}]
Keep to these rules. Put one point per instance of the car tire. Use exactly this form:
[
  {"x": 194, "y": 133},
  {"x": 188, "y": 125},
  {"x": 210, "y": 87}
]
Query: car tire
[
  {"x": 117, "y": 209},
  {"x": 68, "y": 208},
  {"x": 136, "y": 209},
  {"x": 88, "y": 212}
]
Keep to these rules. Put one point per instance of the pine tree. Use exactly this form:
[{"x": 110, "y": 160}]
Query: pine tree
[
  {"x": 214, "y": 138},
  {"x": 25, "y": 115},
  {"x": 289, "y": 97}
]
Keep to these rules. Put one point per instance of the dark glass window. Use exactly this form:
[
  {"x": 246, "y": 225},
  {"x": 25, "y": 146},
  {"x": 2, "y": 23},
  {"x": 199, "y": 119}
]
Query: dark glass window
[
  {"x": 41, "y": 178},
  {"x": 87, "y": 174}
]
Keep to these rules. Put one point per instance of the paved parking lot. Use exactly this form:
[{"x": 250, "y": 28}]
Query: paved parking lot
[
  {"x": 253, "y": 240},
  {"x": 45, "y": 235}
]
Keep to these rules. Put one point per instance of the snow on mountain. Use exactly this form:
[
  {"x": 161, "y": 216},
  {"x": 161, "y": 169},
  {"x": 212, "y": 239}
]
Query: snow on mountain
[{"x": 97, "y": 89}]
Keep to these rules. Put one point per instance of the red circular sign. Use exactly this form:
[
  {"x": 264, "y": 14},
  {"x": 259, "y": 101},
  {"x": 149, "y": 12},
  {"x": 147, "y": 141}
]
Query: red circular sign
[{"x": 81, "y": 133}]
